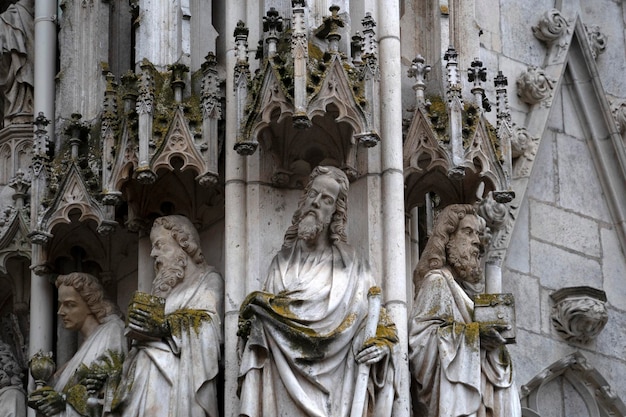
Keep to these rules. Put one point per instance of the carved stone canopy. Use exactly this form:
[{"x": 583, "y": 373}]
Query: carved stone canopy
[
  {"x": 302, "y": 89},
  {"x": 579, "y": 313}
]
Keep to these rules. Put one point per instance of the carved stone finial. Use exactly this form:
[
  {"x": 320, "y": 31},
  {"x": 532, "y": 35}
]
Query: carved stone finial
[
  {"x": 370, "y": 45},
  {"x": 477, "y": 74},
  {"x": 272, "y": 25},
  {"x": 356, "y": 48},
  {"x": 77, "y": 132},
  {"x": 534, "y": 86},
  {"x": 579, "y": 313},
  {"x": 502, "y": 99},
  {"x": 177, "y": 80},
  {"x": 329, "y": 29},
  {"x": 419, "y": 70}
]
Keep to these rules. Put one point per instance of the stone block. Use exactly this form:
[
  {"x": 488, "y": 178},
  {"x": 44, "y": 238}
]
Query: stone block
[
  {"x": 517, "y": 35},
  {"x": 542, "y": 185},
  {"x": 558, "y": 268},
  {"x": 613, "y": 269},
  {"x": 612, "y": 340},
  {"x": 518, "y": 253},
  {"x": 579, "y": 185},
  {"x": 564, "y": 229},
  {"x": 525, "y": 289}
]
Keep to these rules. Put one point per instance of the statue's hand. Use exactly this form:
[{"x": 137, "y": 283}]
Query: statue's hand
[
  {"x": 372, "y": 352},
  {"x": 490, "y": 337},
  {"x": 144, "y": 322},
  {"x": 95, "y": 381},
  {"x": 46, "y": 401}
]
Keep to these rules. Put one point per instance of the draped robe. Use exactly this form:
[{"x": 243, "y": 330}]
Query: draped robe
[
  {"x": 107, "y": 337},
  {"x": 304, "y": 332},
  {"x": 175, "y": 376},
  {"x": 453, "y": 375}
]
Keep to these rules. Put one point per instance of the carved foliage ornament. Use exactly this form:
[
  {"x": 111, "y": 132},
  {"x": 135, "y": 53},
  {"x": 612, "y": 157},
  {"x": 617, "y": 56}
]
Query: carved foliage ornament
[
  {"x": 534, "y": 86},
  {"x": 579, "y": 313},
  {"x": 597, "y": 40},
  {"x": 619, "y": 113},
  {"x": 551, "y": 27}
]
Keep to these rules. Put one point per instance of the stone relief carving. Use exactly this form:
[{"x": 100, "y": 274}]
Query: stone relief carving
[
  {"x": 172, "y": 366},
  {"x": 579, "y": 313},
  {"x": 12, "y": 395},
  {"x": 619, "y": 113},
  {"x": 594, "y": 391},
  {"x": 82, "y": 308},
  {"x": 534, "y": 86},
  {"x": 442, "y": 328},
  {"x": 303, "y": 347},
  {"x": 597, "y": 40},
  {"x": 16, "y": 59},
  {"x": 551, "y": 27},
  {"x": 523, "y": 148}
]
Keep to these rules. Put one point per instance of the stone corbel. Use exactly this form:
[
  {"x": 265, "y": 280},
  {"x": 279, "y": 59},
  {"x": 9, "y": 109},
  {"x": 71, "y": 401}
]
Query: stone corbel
[
  {"x": 579, "y": 313},
  {"x": 534, "y": 86},
  {"x": 552, "y": 29}
]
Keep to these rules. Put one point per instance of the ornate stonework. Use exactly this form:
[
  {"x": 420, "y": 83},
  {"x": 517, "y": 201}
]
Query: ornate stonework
[
  {"x": 579, "y": 313},
  {"x": 534, "y": 86}
]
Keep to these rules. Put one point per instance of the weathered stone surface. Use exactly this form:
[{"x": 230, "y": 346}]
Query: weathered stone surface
[
  {"x": 518, "y": 255},
  {"x": 555, "y": 266},
  {"x": 564, "y": 229},
  {"x": 613, "y": 269},
  {"x": 579, "y": 187},
  {"x": 528, "y": 316}
]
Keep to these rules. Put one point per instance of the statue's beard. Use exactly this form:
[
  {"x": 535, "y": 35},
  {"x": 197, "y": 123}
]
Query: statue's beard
[
  {"x": 168, "y": 274},
  {"x": 310, "y": 227},
  {"x": 465, "y": 261}
]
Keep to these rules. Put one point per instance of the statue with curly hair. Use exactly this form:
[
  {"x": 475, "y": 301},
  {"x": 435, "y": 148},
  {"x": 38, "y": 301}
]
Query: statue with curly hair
[
  {"x": 82, "y": 308},
  {"x": 460, "y": 367},
  {"x": 12, "y": 395},
  {"x": 302, "y": 336},
  {"x": 172, "y": 367}
]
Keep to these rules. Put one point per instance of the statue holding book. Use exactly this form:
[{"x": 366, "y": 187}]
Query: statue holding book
[
  {"x": 172, "y": 366},
  {"x": 457, "y": 339}
]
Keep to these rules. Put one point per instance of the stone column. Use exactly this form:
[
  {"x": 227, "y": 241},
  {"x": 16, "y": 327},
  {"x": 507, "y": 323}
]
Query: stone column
[
  {"x": 394, "y": 267},
  {"x": 45, "y": 59},
  {"x": 235, "y": 221}
]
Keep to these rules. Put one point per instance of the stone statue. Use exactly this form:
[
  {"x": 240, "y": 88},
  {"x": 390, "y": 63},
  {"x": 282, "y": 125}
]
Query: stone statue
[
  {"x": 12, "y": 395},
  {"x": 17, "y": 32},
  {"x": 460, "y": 367},
  {"x": 302, "y": 336},
  {"x": 172, "y": 366},
  {"x": 83, "y": 308}
]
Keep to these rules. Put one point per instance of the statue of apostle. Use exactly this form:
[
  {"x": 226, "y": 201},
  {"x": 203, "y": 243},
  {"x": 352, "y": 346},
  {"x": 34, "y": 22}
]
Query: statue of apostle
[
  {"x": 83, "y": 308},
  {"x": 16, "y": 60},
  {"x": 172, "y": 366},
  {"x": 460, "y": 367},
  {"x": 303, "y": 335}
]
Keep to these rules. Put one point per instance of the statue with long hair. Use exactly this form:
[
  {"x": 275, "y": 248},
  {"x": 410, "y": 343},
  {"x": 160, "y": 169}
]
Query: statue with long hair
[
  {"x": 303, "y": 335},
  {"x": 460, "y": 367},
  {"x": 172, "y": 367}
]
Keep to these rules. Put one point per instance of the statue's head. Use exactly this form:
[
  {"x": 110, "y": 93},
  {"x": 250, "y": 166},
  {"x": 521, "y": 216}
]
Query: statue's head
[
  {"x": 10, "y": 371},
  {"x": 323, "y": 208},
  {"x": 455, "y": 243},
  {"x": 175, "y": 243},
  {"x": 81, "y": 295}
]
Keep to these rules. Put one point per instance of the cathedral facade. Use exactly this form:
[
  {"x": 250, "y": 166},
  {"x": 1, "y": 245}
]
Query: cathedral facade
[{"x": 116, "y": 112}]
